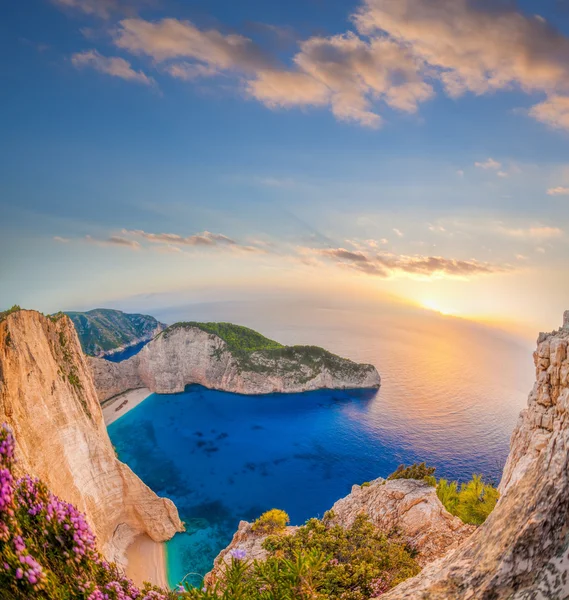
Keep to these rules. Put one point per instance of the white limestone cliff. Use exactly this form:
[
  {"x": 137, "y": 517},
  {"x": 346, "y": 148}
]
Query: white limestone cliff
[
  {"x": 48, "y": 398},
  {"x": 186, "y": 355}
]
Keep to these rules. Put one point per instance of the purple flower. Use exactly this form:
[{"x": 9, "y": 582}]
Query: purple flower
[{"x": 238, "y": 553}]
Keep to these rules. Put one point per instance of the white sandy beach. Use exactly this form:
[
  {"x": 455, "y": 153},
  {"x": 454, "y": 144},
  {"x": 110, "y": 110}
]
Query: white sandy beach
[
  {"x": 147, "y": 562},
  {"x": 116, "y": 407}
]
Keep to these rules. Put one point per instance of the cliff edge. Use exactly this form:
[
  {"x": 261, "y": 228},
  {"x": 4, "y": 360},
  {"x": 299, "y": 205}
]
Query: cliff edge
[
  {"x": 48, "y": 398},
  {"x": 230, "y": 358},
  {"x": 521, "y": 552}
]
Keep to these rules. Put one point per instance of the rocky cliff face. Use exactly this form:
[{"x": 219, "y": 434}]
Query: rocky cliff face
[
  {"x": 187, "y": 355},
  {"x": 104, "y": 331},
  {"x": 522, "y": 550},
  {"x": 48, "y": 398},
  {"x": 409, "y": 507}
]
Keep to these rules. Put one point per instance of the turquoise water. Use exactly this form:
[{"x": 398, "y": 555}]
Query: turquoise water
[{"x": 450, "y": 395}]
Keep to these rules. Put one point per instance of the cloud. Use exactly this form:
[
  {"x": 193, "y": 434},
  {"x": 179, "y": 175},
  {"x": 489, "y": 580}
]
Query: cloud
[
  {"x": 174, "y": 39},
  {"x": 102, "y": 8},
  {"x": 203, "y": 239},
  {"x": 490, "y": 163},
  {"x": 60, "y": 239},
  {"x": 398, "y": 49},
  {"x": 114, "y": 66},
  {"x": 387, "y": 265},
  {"x": 349, "y": 75},
  {"x": 398, "y": 232},
  {"x": 554, "y": 111},
  {"x": 114, "y": 240},
  {"x": 540, "y": 232},
  {"x": 558, "y": 191}
]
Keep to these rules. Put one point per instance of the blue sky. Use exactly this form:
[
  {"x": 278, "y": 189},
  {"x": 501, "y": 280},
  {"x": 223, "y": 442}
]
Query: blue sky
[{"x": 415, "y": 150}]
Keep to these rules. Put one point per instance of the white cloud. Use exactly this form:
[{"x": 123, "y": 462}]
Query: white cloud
[
  {"x": 397, "y": 232},
  {"x": 558, "y": 191},
  {"x": 490, "y": 163},
  {"x": 537, "y": 232},
  {"x": 110, "y": 65}
]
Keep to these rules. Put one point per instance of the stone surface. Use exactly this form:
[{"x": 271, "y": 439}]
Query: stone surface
[
  {"x": 521, "y": 552},
  {"x": 190, "y": 355},
  {"x": 412, "y": 508},
  {"x": 48, "y": 398},
  {"x": 243, "y": 539}
]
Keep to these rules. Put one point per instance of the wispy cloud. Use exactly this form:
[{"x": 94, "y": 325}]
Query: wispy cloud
[
  {"x": 110, "y": 65},
  {"x": 203, "y": 239},
  {"x": 61, "y": 240},
  {"x": 538, "y": 232},
  {"x": 489, "y": 163},
  {"x": 386, "y": 265},
  {"x": 558, "y": 191},
  {"x": 113, "y": 240},
  {"x": 103, "y": 9}
]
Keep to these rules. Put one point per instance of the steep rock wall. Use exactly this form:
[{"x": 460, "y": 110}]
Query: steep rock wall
[
  {"x": 521, "y": 552},
  {"x": 48, "y": 398},
  {"x": 190, "y": 355}
]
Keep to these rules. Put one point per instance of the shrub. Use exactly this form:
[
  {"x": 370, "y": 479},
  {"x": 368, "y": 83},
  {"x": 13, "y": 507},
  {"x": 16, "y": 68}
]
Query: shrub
[
  {"x": 272, "y": 521},
  {"x": 472, "y": 502},
  {"x": 319, "y": 561},
  {"x": 415, "y": 471},
  {"x": 47, "y": 549}
]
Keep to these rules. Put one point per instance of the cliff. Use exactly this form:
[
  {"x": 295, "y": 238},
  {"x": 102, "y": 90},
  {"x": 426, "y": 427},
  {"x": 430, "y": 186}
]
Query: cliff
[
  {"x": 521, "y": 551},
  {"x": 103, "y": 331},
  {"x": 410, "y": 508},
  {"x": 229, "y": 358},
  {"x": 48, "y": 398}
]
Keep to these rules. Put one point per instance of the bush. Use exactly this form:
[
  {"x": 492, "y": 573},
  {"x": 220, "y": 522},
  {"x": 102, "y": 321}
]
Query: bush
[
  {"x": 472, "y": 502},
  {"x": 320, "y": 561},
  {"x": 272, "y": 521},
  {"x": 47, "y": 549},
  {"x": 415, "y": 471}
]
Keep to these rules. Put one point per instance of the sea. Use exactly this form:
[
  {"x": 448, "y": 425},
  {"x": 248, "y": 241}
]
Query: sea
[{"x": 450, "y": 396}]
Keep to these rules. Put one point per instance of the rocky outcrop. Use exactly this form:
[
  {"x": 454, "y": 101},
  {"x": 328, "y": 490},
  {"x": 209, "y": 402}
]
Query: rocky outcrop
[
  {"x": 521, "y": 552},
  {"x": 103, "y": 331},
  {"x": 184, "y": 355},
  {"x": 48, "y": 398},
  {"x": 244, "y": 539},
  {"x": 407, "y": 508}
]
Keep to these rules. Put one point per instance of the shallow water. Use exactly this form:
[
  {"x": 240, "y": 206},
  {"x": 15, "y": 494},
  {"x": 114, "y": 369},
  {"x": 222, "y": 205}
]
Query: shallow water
[{"x": 450, "y": 396}]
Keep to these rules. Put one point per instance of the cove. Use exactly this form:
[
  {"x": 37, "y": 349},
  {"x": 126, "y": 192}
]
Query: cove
[{"x": 224, "y": 457}]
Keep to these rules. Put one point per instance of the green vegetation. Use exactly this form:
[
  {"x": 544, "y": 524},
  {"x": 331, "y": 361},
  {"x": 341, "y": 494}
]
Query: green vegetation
[
  {"x": 102, "y": 329},
  {"x": 272, "y": 521},
  {"x": 472, "y": 501},
  {"x": 5, "y": 313},
  {"x": 238, "y": 338},
  {"x": 254, "y": 352},
  {"x": 415, "y": 471},
  {"x": 321, "y": 561}
]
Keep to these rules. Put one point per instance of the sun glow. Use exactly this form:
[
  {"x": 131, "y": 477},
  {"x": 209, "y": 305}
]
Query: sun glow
[{"x": 436, "y": 307}]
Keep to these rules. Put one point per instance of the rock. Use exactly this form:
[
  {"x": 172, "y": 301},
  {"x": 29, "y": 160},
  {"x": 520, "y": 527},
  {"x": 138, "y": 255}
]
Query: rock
[
  {"x": 521, "y": 552},
  {"x": 410, "y": 507},
  {"x": 405, "y": 506},
  {"x": 48, "y": 398},
  {"x": 243, "y": 539},
  {"x": 185, "y": 355}
]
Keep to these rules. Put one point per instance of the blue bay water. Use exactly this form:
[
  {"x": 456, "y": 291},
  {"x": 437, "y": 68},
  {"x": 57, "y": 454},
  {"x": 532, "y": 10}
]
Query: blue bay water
[{"x": 450, "y": 396}]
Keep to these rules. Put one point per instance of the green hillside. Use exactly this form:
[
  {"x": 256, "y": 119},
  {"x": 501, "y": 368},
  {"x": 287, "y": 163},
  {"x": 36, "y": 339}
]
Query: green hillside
[{"x": 102, "y": 329}]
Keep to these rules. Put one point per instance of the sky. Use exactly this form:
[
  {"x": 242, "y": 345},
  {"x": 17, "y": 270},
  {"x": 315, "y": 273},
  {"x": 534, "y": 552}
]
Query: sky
[{"x": 410, "y": 151}]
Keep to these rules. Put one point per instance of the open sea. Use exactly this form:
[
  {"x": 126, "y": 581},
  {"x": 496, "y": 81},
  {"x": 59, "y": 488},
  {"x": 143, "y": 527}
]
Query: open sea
[{"x": 451, "y": 392}]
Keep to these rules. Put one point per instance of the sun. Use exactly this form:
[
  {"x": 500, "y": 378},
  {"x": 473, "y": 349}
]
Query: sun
[{"x": 434, "y": 306}]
